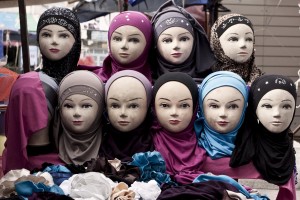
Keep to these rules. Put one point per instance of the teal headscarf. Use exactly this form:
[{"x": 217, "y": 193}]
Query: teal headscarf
[{"x": 218, "y": 145}]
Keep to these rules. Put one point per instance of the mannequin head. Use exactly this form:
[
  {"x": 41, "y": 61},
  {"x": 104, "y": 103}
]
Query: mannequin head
[
  {"x": 129, "y": 37},
  {"x": 232, "y": 36},
  {"x": 175, "y": 44},
  {"x": 81, "y": 102},
  {"x": 127, "y": 98},
  {"x": 223, "y": 96},
  {"x": 237, "y": 42},
  {"x": 273, "y": 98},
  {"x": 223, "y": 108},
  {"x": 174, "y": 37},
  {"x": 175, "y": 100},
  {"x": 58, "y": 36},
  {"x": 55, "y": 41}
]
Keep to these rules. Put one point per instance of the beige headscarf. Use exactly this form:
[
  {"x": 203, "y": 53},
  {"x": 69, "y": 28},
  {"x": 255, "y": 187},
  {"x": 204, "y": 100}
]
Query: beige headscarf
[{"x": 78, "y": 148}]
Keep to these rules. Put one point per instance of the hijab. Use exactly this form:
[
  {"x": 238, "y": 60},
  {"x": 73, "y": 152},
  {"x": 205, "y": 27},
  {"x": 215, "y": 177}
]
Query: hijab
[
  {"x": 77, "y": 148},
  {"x": 180, "y": 151},
  {"x": 198, "y": 64},
  {"x": 110, "y": 64},
  {"x": 66, "y": 18},
  {"x": 123, "y": 145},
  {"x": 247, "y": 70},
  {"x": 271, "y": 153},
  {"x": 216, "y": 144}
]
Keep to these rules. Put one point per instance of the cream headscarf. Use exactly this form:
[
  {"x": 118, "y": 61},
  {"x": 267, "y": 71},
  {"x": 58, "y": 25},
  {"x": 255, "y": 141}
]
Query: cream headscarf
[{"x": 78, "y": 148}]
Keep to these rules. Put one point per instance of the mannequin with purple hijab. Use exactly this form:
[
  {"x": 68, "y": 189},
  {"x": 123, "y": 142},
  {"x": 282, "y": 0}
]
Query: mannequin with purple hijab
[
  {"x": 175, "y": 101},
  {"x": 129, "y": 43}
]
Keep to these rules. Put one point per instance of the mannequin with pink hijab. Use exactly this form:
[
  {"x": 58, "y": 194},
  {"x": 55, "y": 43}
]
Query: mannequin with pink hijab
[{"x": 129, "y": 43}]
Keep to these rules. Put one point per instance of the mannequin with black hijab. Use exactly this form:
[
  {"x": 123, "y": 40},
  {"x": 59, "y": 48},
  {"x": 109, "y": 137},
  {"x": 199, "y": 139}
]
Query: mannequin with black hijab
[
  {"x": 266, "y": 139},
  {"x": 33, "y": 96},
  {"x": 180, "y": 43}
]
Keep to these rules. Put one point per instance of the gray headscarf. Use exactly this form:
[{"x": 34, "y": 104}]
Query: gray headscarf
[{"x": 78, "y": 148}]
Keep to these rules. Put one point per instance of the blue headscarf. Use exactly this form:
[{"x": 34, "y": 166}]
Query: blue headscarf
[{"x": 218, "y": 145}]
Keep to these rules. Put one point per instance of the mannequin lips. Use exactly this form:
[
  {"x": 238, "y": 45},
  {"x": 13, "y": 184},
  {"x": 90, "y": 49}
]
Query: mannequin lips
[
  {"x": 123, "y": 55},
  {"x": 54, "y": 50},
  {"x": 243, "y": 53},
  {"x": 176, "y": 55},
  {"x": 77, "y": 123},
  {"x": 174, "y": 121},
  {"x": 123, "y": 123},
  {"x": 276, "y": 123},
  {"x": 222, "y": 123}
]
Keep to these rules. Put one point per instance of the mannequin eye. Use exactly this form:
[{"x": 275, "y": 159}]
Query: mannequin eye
[
  {"x": 185, "y": 105},
  {"x": 233, "y": 106},
  {"x": 67, "y": 105},
  {"x": 233, "y": 39},
  {"x": 46, "y": 34},
  {"x": 164, "y": 105},
  {"x": 87, "y": 106},
  {"x": 287, "y": 106},
  {"x": 117, "y": 38},
  {"x": 134, "y": 40},
  {"x": 167, "y": 40},
  {"x": 266, "y": 106},
  {"x": 133, "y": 105},
  {"x": 249, "y": 39},
  {"x": 184, "y": 38},
  {"x": 213, "y": 106},
  {"x": 114, "y": 105},
  {"x": 64, "y": 35}
]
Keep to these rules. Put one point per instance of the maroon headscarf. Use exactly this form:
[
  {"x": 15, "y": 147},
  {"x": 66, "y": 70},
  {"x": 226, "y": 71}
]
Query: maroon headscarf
[
  {"x": 110, "y": 64},
  {"x": 180, "y": 151}
]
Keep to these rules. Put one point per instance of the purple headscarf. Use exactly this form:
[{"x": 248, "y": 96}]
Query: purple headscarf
[
  {"x": 110, "y": 64},
  {"x": 180, "y": 151}
]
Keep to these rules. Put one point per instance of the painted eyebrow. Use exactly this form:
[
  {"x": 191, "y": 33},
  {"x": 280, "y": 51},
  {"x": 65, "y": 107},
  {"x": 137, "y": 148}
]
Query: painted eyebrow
[
  {"x": 80, "y": 100},
  {"x": 185, "y": 99},
  {"x": 128, "y": 100},
  {"x": 228, "y": 102},
  {"x": 164, "y": 99},
  {"x": 45, "y": 29},
  {"x": 184, "y": 33}
]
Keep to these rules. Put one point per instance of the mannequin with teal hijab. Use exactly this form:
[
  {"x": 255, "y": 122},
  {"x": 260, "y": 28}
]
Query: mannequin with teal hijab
[{"x": 223, "y": 99}]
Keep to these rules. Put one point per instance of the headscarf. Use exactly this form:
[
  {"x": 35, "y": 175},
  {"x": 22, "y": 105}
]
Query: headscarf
[
  {"x": 66, "y": 18},
  {"x": 78, "y": 148},
  {"x": 271, "y": 153},
  {"x": 199, "y": 63},
  {"x": 180, "y": 151},
  {"x": 247, "y": 70},
  {"x": 110, "y": 64},
  {"x": 120, "y": 145},
  {"x": 216, "y": 144}
]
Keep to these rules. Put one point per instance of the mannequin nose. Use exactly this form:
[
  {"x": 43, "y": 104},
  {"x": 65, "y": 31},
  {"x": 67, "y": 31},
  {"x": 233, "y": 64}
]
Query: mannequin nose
[
  {"x": 174, "y": 112},
  {"x": 123, "y": 112},
  {"x": 276, "y": 113},
  {"x": 125, "y": 45},
  {"x": 223, "y": 113},
  {"x": 54, "y": 40},
  {"x": 176, "y": 45},
  {"x": 76, "y": 113},
  {"x": 243, "y": 44}
]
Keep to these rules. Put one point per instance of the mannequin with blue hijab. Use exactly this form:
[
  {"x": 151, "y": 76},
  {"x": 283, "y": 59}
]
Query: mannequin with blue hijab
[{"x": 217, "y": 134}]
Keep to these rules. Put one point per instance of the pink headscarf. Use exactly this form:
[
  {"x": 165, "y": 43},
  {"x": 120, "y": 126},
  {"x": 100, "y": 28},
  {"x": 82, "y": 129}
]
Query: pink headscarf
[
  {"x": 183, "y": 157},
  {"x": 110, "y": 64}
]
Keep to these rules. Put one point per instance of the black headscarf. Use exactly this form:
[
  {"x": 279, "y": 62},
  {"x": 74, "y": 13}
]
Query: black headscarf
[
  {"x": 198, "y": 65},
  {"x": 271, "y": 153},
  {"x": 66, "y": 18}
]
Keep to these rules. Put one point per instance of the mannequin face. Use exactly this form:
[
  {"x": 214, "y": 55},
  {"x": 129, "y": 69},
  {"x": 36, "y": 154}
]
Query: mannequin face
[
  {"x": 275, "y": 110},
  {"x": 126, "y": 104},
  {"x": 175, "y": 44},
  {"x": 237, "y": 42},
  {"x": 78, "y": 112},
  {"x": 223, "y": 108},
  {"x": 55, "y": 41},
  {"x": 127, "y": 43},
  {"x": 174, "y": 109}
]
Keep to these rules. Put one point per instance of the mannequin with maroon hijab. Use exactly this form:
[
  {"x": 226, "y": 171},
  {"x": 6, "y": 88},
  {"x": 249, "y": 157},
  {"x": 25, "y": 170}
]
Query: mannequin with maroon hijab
[
  {"x": 175, "y": 98},
  {"x": 128, "y": 97},
  {"x": 33, "y": 96},
  {"x": 129, "y": 43}
]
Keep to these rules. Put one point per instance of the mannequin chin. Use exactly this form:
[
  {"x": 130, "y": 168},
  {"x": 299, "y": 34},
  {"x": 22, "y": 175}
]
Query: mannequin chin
[
  {"x": 275, "y": 110},
  {"x": 237, "y": 42},
  {"x": 127, "y": 43},
  {"x": 175, "y": 44},
  {"x": 126, "y": 103},
  {"x": 174, "y": 106},
  {"x": 223, "y": 108}
]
